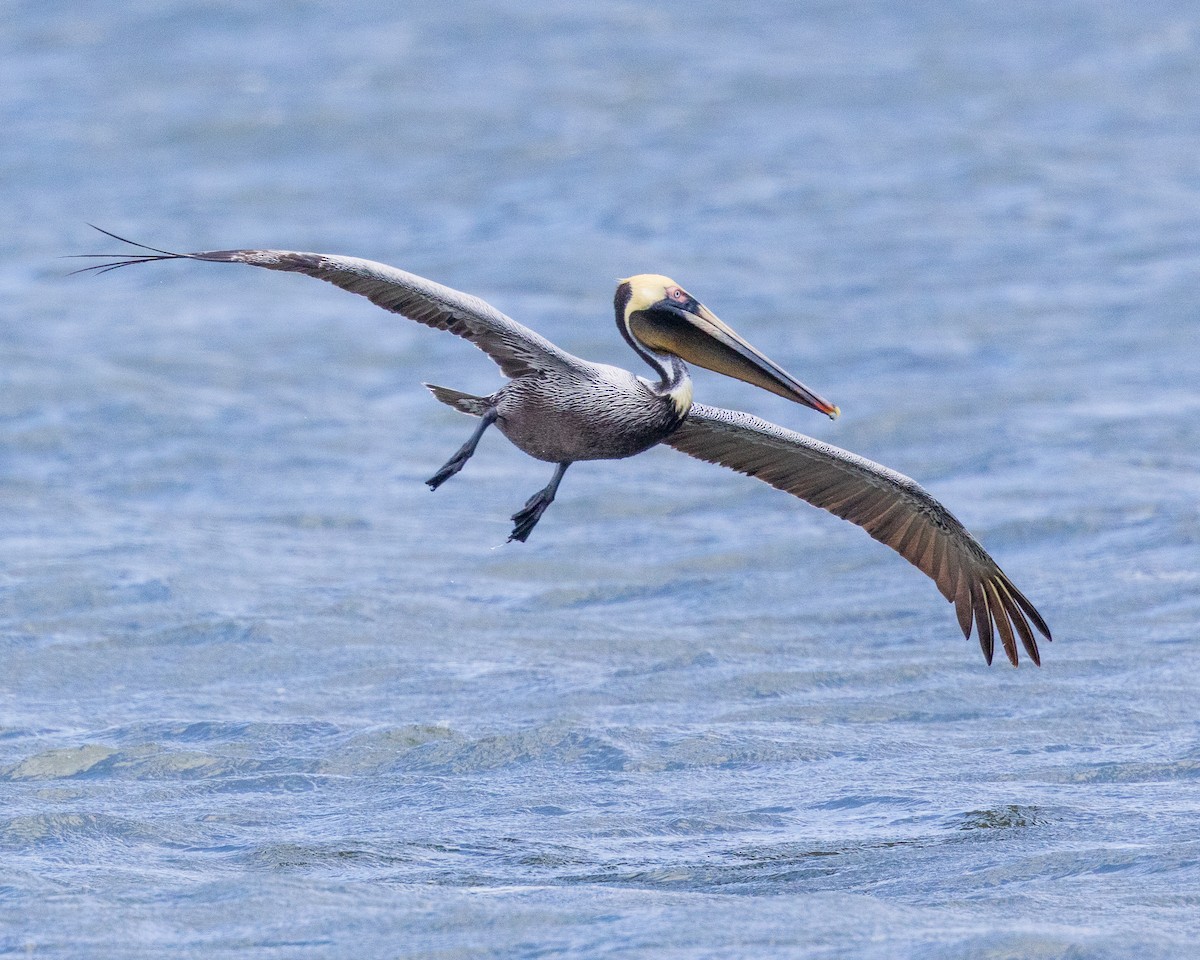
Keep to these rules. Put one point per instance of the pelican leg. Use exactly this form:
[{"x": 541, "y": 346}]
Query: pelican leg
[
  {"x": 459, "y": 460},
  {"x": 527, "y": 517}
]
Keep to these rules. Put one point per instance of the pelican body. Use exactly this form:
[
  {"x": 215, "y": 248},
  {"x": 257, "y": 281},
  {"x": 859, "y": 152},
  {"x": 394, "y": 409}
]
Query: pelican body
[{"x": 561, "y": 409}]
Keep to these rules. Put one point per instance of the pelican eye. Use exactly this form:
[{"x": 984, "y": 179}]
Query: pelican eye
[{"x": 678, "y": 295}]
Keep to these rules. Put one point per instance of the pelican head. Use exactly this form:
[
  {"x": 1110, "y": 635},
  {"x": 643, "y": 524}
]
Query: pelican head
[{"x": 657, "y": 316}]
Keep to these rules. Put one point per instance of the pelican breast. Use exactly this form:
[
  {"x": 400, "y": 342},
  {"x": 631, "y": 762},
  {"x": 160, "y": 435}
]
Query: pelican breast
[{"x": 595, "y": 412}]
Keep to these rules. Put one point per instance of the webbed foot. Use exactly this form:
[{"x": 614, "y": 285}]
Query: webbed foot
[
  {"x": 527, "y": 517},
  {"x": 464, "y": 453}
]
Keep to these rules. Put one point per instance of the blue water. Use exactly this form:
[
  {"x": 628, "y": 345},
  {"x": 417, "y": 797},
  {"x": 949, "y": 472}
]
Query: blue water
[{"x": 265, "y": 696}]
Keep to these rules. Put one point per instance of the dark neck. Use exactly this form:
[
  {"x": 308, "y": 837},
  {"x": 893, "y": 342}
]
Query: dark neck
[
  {"x": 672, "y": 372},
  {"x": 674, "y": 384}
]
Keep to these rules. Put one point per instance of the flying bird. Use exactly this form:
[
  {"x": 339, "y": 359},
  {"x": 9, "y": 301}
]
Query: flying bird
[{"x": 561, "y": 409}]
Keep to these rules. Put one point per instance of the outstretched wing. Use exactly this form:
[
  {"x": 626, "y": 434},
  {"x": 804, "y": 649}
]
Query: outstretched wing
[
  {"x": 519, "y": 351},
  {"x": 888, "y": 505}
]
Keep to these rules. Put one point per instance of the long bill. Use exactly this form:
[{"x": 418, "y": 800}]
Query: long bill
[{"x": 698, "y": 336}]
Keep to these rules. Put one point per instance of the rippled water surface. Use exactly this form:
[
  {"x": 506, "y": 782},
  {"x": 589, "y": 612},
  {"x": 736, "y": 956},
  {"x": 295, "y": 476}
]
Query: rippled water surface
[{"x": 264, "y": 695}]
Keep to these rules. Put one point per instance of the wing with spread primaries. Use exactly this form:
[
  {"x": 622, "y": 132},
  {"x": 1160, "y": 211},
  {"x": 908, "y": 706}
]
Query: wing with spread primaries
[
  {"x": 519, "y": 351},
  {"x": 893, "y": 509}
]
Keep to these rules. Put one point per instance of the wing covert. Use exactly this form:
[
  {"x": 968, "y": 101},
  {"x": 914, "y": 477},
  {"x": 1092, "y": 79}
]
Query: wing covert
[{"x": 517, "y": 350}]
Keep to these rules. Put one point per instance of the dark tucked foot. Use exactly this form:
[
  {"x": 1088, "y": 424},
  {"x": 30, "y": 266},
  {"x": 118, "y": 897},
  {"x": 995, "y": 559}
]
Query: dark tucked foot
[
  {"x": 449, "y": 469},
  {"x": 527, "y": 517},
  {"x": 464, "y": 453}
]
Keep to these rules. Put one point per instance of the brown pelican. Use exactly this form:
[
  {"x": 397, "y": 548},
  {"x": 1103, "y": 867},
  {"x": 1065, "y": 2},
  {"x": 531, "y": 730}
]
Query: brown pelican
[{"x": 559, "y": 408}]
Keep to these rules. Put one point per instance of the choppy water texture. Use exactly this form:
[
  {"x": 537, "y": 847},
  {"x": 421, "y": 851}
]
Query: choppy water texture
[{"x": 264, "y": 695}]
